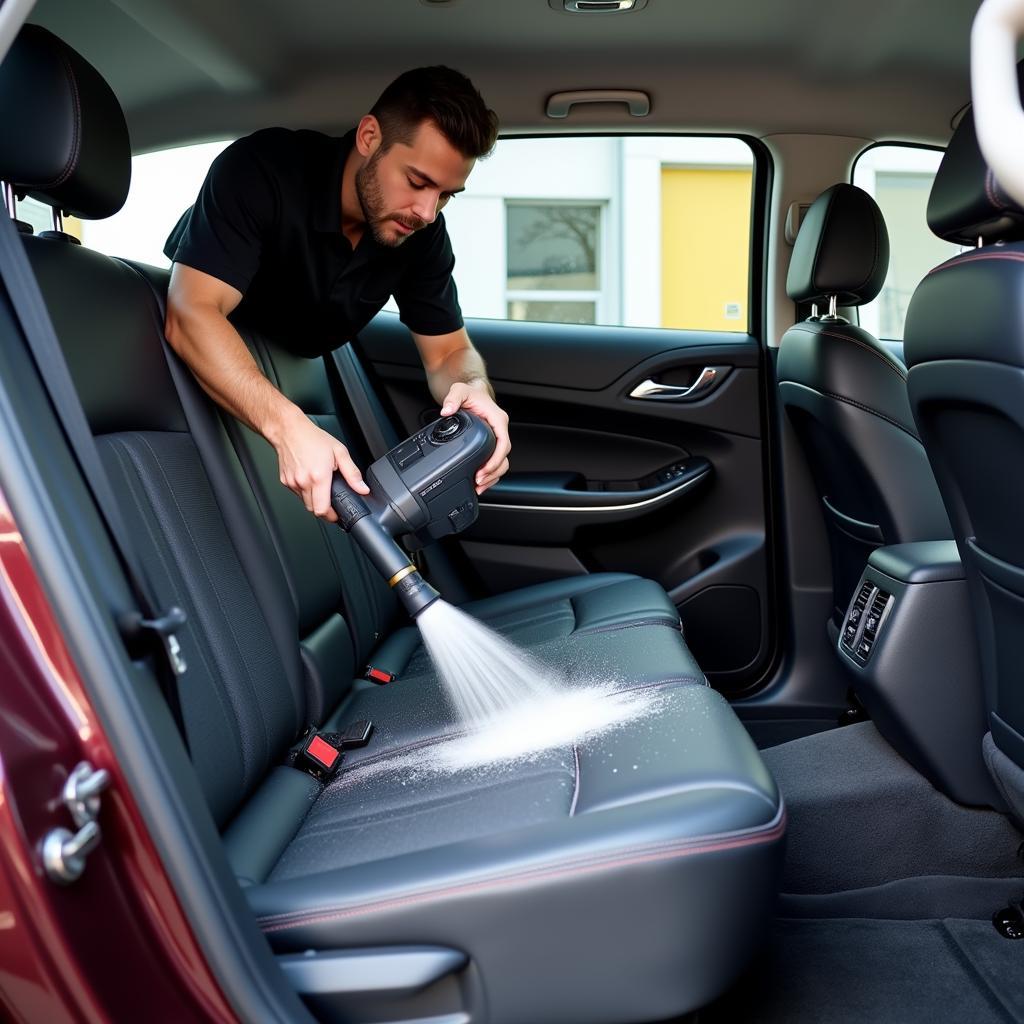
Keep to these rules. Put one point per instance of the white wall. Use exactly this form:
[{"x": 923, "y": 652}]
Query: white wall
[{"x": 624, "y": 174}]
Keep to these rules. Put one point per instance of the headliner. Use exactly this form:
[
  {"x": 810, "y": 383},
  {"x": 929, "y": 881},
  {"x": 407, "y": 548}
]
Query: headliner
[{"x": 201, "y": 69}]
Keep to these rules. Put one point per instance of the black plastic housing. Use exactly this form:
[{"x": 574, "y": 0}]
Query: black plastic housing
[
  {"x": 424, "y": 488},
  {"x": 908, "y": 639}
]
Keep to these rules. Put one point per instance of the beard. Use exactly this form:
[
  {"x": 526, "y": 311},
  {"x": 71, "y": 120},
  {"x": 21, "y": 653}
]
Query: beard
[{"x": 370, "y": 194}]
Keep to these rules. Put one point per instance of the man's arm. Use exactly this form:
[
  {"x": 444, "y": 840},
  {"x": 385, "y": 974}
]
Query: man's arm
[
  {"x": 199, "y": 331},
  {"x": 457, "y": 378}
]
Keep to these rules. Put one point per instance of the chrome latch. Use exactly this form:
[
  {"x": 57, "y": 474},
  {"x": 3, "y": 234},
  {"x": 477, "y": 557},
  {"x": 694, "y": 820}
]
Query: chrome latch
[{"x": 64, "y": 852}]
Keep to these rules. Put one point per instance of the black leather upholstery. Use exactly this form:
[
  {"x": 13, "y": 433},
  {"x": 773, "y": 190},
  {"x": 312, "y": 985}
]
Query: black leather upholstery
[
  {"x": 842, "y": 249},
  {"x": 965, "y": 347},
  {"x": 627, "y": 876},
  {"x": 966, "y": 201},
  {"x": 846, "y": 396},
  {"x": 963, "y": 341},
  {"x": 65, "y": 141}
]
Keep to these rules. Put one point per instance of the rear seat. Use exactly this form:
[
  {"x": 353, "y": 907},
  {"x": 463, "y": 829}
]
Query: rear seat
[{"x": 626, "y": 877}]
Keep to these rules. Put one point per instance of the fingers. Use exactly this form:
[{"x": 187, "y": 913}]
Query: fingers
[
  {"x": 497, "y": 465},
  {"x": 457, "y": 395},
  {"x": 308, "y": 459},
  {"x": 349, "y": 470},
  {"x": 320, "y": 495},
  {"x": 485, "y": 480}
]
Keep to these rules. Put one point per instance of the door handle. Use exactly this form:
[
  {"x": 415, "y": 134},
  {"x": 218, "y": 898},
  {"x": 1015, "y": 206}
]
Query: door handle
[{"x": 707, "y": 380}]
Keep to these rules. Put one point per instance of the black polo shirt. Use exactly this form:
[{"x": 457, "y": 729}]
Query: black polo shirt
[{"x": 268, "y": 222}]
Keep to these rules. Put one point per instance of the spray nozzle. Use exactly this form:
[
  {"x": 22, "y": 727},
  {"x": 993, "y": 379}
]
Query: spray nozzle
[{"x": 357, "y": 519}]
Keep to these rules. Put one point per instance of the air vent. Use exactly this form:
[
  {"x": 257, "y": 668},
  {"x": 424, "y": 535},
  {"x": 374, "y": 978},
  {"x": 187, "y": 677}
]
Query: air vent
[{"x": 597, "y": 6}]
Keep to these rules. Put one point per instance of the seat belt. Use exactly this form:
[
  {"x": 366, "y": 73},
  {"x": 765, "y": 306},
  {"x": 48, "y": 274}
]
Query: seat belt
[
  {"x": 377, "y": 431},
  {"x": 149, "y": 625}
]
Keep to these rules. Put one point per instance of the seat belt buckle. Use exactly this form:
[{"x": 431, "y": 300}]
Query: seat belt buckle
[
  {"x": 379, "y": 675},
  {"x": 318, "y": 758}
]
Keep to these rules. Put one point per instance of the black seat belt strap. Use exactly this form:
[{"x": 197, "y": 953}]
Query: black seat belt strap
[
  {"x": 373, "y": 421},
  {"x": 150, "y": 623}
]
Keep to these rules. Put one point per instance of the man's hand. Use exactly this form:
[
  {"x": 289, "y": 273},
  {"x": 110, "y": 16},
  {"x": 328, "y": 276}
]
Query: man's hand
[
  {"x": 308, "y": 457},
  {"x": 476, "y": 398}
]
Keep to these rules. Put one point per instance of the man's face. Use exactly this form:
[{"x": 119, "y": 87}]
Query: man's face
[{"x": 403, "y": 190}]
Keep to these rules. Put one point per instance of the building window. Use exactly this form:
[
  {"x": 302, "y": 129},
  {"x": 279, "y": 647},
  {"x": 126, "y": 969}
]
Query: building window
[{"x": 553, "y": 262}]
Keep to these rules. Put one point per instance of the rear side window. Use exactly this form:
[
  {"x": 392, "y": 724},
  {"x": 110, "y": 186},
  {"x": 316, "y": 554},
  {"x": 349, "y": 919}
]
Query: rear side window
[
  {"x": 638, "y": 232},
  {"x": 900, "y": 179},
  {"x": 164, "y": 185}
]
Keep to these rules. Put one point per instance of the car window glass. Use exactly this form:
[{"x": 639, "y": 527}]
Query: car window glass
[
  {"x": 900, "y": 179},
  {"x": 640, "y": 232},
  {"x": 164, "y": 185}
]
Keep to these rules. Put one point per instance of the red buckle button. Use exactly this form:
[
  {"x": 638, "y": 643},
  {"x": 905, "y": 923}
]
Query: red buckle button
[{"x": 322, "y": 752}]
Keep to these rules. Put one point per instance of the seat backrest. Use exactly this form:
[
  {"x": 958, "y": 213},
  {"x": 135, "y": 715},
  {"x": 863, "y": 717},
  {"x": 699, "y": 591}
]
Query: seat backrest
[
  {"x": 965, "y": 348},
  {"x": 846, "y": 395},
  {"x": 243, "y": 696}
]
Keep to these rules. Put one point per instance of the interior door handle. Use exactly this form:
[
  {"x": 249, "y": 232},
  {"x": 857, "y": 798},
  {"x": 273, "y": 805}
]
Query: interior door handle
[{"x": 707, "y": 380}]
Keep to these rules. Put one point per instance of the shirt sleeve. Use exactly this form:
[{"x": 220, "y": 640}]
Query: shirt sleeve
[
  {"x": 224, "y": 232},
  {"x": 428, "y": 301}
]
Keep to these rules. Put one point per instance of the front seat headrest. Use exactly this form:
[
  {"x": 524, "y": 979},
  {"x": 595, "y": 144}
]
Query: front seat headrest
[
  {"x": 64, "y": 139},
  {"x": 841, "y": 249},
  {"x": 966, "y": 202}
]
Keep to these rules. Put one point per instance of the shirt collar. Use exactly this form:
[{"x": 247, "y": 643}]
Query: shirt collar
[{"x": 327, "y": 205}]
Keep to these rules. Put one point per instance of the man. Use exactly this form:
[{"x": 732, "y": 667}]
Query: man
[{"x": 306, "y": 237}]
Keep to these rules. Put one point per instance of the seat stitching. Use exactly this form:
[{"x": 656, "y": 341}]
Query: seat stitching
[
  {"x": 672, "y": 624},
  {"x": 901, "y": 373},
  {"x": 76, "y": 146},
  {"x": 972, "y": 257},
  {"x": 429, "y": 741},
  {"x": 576, "y": 780},
  {"x": 874, "y": 412},
  {"x": 990, "y": 191},
  {"x": 642, "y": 855}
]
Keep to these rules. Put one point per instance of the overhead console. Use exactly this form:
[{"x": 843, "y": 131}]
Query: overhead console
[{"x": 908, "y": 640}]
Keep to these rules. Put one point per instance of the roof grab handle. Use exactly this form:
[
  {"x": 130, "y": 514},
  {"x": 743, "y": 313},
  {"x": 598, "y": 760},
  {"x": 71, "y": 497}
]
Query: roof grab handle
[
  {"x": 560, "y": 103},
  {"x": 998, "y": 118}
]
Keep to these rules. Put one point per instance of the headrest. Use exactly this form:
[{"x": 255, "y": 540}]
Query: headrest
[
  {"x": 841, "y": 249},
  {"x": 64, "y": 139},
  {"x": 966, "y": 201}
]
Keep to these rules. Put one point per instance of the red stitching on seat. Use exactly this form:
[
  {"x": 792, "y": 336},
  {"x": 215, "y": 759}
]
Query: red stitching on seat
[
  {"x": 856, "y": 341},
  {"x": 973, "y": 257},
  {"x": 710, "y": 844}
]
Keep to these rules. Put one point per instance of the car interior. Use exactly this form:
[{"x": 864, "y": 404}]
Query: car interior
[{"x": 795, "y": 531}]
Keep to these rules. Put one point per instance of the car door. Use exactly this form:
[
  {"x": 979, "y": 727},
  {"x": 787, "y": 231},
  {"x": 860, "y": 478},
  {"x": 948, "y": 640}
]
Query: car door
[{"x": 638, "y": 430}]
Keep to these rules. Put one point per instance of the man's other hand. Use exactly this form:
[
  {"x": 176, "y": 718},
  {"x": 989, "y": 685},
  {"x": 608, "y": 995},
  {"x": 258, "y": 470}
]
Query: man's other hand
[
  {"x": 475, "y": 397},
  {"x": 307, "y": 457}
]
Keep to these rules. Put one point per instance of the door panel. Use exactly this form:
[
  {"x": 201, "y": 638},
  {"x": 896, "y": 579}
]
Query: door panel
[{"x": 599, "y": 480}]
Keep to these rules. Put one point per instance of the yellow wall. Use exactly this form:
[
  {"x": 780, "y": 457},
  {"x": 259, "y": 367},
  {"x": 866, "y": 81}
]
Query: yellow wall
[{"x": 705, "y": 246}]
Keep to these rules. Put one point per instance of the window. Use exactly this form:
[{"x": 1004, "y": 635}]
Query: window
[
  {"x": 164, "y": 185},
  {"x": 900, "y": 179},
  {"x": 639, "y": 232},
  {"x": 40, "y": 216}
]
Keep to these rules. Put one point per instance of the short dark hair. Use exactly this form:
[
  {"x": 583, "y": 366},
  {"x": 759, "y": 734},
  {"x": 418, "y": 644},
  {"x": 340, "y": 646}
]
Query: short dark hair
[{"x": 445, "y": 97}]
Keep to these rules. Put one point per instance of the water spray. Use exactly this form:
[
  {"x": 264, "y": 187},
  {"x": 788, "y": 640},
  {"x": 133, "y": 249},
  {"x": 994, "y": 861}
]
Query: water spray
[{"x": 420, "y": 491}]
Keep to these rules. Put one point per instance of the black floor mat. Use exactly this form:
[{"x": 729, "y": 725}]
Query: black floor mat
[{"x": 847, "y": 971}]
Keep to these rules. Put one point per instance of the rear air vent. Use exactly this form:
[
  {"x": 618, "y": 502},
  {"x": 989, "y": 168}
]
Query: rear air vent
[{"x": 597, "y": 6}]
